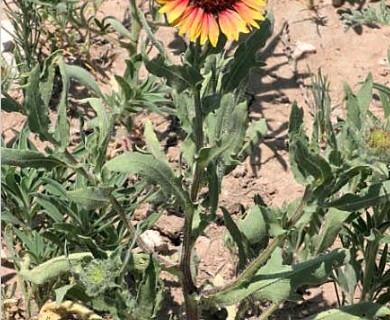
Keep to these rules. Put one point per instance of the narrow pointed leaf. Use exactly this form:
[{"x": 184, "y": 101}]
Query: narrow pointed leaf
[
  {"x": 242, "y": 243},
  {"x": 152, "y": 142}
]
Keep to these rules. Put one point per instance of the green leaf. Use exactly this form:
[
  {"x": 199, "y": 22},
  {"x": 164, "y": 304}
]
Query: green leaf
[
  {"x": 38, "y": 112},
  {"x": 254, "y": 135},
  {"x": 153, "y": 170},
  {"x": 359, "y": 311},
  {"x": 28, "y": 159},
  {"x": 226, "y": 127},
  {"x": 148, "y": 297},
  {"x": 245, "y": 56},
  {"x": 364, "y": 96},
  {"x": 61, "y": 292},
  {"x": 244, "y": 251},
  {"x": 308, "y": 167},
  {"x": 62, "y": 123},
  {"x": 152, "y": 142},
  {"x": 84, "y": 77},
  {"x": 295, "y": 124},
  {"x": 8, "y": 104},
  {"x": 178, "y": 77},
  {"x": 385, "y": 99},
  {"x": 334, "y": 220},
  {"x": 51, "y": 209},
  {"x": 353, "y": 112},
  {"x": 102, "y": 124},
  {"x": 53, "y": 268},
  {"x": 91, "y": 197},
  {"x": 278, "y": 282},
  {"x": 209, "y": 154},
  {"x": 119, "y": 27},
  {"x": 253, "y": 226},
  {"x": 370, "y": 196}
]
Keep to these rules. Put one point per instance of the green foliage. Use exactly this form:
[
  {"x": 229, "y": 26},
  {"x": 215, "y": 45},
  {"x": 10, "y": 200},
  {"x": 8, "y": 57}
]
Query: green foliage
[
  {"x": 366, "y": 311},
  {"x": 371, "y": 16},
  {"x": 28, "y": 159},
  {"x": 99, "y": 275},
  {"x": 278, "y": 282},
  {"x": 69, "y": 207},
  {"x": 53, "y": 268}
]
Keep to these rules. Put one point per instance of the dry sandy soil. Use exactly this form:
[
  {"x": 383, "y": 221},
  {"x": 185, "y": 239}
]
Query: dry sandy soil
[{"x": 342, "y": 55}]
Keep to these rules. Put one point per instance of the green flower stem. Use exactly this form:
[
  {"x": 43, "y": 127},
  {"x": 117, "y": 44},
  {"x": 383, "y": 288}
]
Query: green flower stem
[
  {"x": 136, "y": 26},
  {"x": 150, "y": 33},
  {"x": 189, "y": 288}
]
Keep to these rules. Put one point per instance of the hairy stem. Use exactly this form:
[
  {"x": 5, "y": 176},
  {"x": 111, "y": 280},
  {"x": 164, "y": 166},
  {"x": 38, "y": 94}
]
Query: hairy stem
[
  {"x": 269, "y": 311},
  {"x": 189, "y": 287},
  {"x": 136, "y": 26},
  {"x": 150, "y": 33}
]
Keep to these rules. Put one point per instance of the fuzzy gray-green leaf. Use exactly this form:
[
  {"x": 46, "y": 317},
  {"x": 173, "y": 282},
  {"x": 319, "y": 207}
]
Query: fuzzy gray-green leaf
[
  {"x": 178, "y": 77},
  {"x": 152, "y": 142},
  {"x": 38, "y": 111},
  {"x": 153, "y": 170},
  {"x": 253, "y": 226},
  {"x": 148, "y": 292},
  {"x": 28, "y": 159},
  {"x": 53, "y": 268},
  {"x": 278, "y": 282},
  {"x": 371, "y": 196},
  {"x": 334, "y": 220},
  {"x": 91, "y": 197},
  {"x": 84, "y": 77},
  {"x": 359, "y": 311},
  {"x": 245, "y": 56}
]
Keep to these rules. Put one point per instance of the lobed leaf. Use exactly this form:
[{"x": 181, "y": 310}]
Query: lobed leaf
[{"x": 38, "y": 112}]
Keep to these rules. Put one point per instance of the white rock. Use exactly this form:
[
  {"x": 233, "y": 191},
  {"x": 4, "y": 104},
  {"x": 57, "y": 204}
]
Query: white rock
[
  {"x": 7, "y": 40},
  {"x": 154, "y": 240},
  {"x": 302, "y": 48}
]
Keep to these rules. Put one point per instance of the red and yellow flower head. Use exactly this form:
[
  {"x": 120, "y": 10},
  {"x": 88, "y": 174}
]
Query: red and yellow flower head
[{"x": 207, "y": 18}]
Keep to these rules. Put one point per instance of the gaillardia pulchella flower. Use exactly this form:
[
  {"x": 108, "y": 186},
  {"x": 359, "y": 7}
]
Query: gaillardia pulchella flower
[{"x": 207, "y": 18}]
